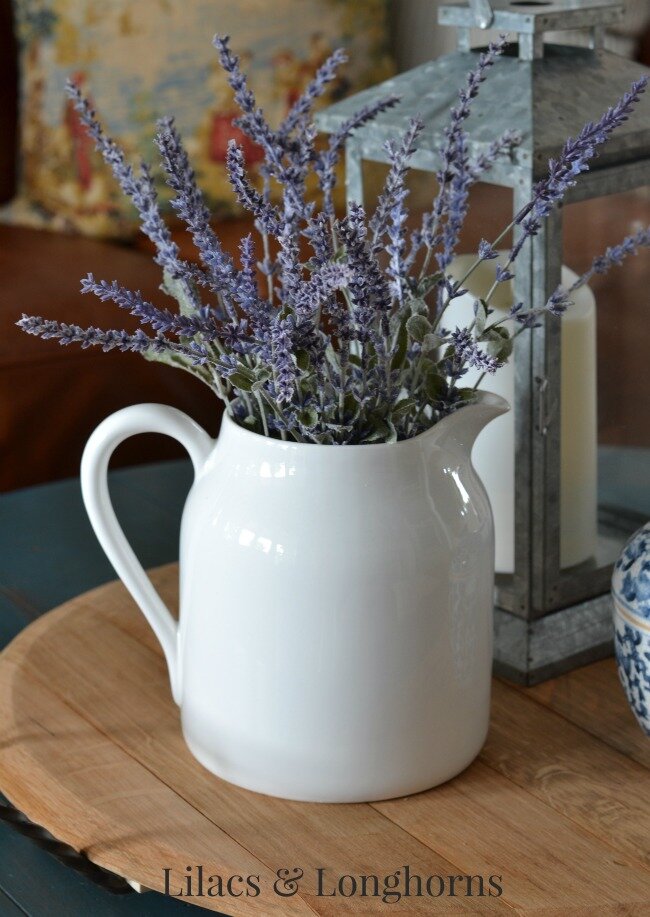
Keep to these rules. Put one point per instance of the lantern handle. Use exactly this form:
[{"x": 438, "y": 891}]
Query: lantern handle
[{"x": 483, "y": 14}]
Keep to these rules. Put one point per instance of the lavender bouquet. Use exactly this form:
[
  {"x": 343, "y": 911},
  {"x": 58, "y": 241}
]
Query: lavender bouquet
[{"x": 349, "y": 344}]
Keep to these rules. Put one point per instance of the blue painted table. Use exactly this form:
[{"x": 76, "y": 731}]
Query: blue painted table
[{"x": 49, "y": 554}]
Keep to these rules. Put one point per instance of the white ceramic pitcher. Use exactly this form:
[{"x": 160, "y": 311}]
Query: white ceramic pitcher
[{"x": 335, "y": 634}]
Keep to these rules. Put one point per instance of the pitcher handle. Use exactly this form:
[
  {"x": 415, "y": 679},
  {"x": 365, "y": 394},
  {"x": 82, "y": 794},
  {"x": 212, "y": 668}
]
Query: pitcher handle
[{"x": 140, "y": 418}]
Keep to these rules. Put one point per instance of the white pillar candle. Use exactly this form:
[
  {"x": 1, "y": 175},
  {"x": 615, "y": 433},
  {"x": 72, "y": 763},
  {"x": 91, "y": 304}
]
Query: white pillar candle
[{"x": 494, "y": 451}]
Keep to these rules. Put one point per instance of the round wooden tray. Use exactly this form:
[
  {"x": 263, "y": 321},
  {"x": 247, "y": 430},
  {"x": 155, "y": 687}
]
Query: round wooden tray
[{"x": 90, "y": 748}]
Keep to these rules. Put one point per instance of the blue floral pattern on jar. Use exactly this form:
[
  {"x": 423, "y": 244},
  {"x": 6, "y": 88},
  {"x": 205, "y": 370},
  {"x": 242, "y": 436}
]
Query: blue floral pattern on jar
[{"x": 631, "y": 593}]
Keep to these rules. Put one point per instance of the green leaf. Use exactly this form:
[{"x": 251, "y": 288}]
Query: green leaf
[
  {"x": 426, "y": 365},
  {"x": 402, "y": 407},
  {"x": 431, "y": 342},
  {"x": 418, "y": 306},
  {"x": 481, "y": 316},
  {"x": 400, "y": 350},
  {"x": 350, "y": 407},
  {"x": 434, "y": 385},
  {"x": 376, "y": 422},
  {"x": 179, "y": 361},
  {"x": 499, "y": 342},
  {"x": 378, "y": 434},
  {"x": 302, "y": 360},
  {"x": 370, "y": 357},
  {"x": 239, "y": 380},
  {"x": 372, "y": 361},
  {"x": 418, "y": 327},
  {"x": 308, "y": 417},
  {"x": 467, "y": 394},
  {"x": 177, "y": 289},
  {"x": 339, "y": 427},
  {"x": 429, "y": 282},
  {"x": 250, "y": 422},
  {"x": 247, "y": 372},
  {"x": 332, "y": 358},
  {"x": 382, "y": 431}
]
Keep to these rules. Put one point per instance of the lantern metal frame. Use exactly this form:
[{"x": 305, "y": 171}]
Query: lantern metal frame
[{"x": 547, "y": 619}]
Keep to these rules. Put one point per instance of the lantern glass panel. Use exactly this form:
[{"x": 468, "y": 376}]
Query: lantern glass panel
[{"x": 623, "y": 381}]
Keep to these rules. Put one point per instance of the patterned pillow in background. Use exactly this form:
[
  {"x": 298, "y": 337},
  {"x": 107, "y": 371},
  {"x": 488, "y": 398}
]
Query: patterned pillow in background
[{"x": 140, "y": 61}]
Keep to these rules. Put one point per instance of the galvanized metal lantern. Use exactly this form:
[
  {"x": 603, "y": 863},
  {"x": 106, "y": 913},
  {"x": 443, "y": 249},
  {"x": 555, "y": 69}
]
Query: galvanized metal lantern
[{"x": 548, "y": 618}]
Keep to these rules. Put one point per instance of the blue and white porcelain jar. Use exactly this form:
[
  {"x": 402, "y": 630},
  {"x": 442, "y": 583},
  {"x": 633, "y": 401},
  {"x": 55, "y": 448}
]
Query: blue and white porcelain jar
[{"x": 631, "y": 593}]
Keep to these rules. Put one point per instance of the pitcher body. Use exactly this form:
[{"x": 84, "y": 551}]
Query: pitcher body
[{"x": 335, "y": 633}]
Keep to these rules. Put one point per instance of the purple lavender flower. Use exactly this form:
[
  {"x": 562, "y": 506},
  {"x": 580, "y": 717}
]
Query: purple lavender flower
[
  {"x": 140, "y": 190},
  {"x": 201, "y": 322},
  {"x": 282, "y": 362},
  {"x": 457, "y": 202},
  {"x": 530, "y": 226},
  {"x": 252, "y": 121},
  {"x": 391, "y": 200},
  {"x": 486, "y": 252},
  {"x": 369, "y": 291},
  {"x": 316, "y": 292},
  {"x": 502, "y": 274},
  {"x": 324, "y": 348},
  {"x": 326, "y": 162},
  {"x": 190, "y": 205},
  {"x": 318, "y": 232},
  {"x": 502, "y": 146},
  {"x": 576, "y": 154},
  {"x": 454, "y": 162},
  {"x": 275, "y": 144},
  {"x": 526, "y": 318},
  {"x": 390, "y": 214},
  {"x": 301, "y": 109},
  {"x": 573, "y": 160},
  {"x": 265, "y": 214},
  {"x": 292, "y": 178},
  {"x": 247, "y": 292},
  {"x": 468, "y": 351},
  {"x": 452, "y": 288},
  {"x": 138, "y": 342},
  {"x": 235, "y": 336},
  {"x": 558, "y": 302},
  {"x": 458, "y": 173},
  {"x": 614, "y": 256}
]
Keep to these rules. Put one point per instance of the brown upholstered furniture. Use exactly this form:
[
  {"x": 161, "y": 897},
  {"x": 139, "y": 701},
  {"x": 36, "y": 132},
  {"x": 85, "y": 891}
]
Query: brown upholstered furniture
[{"x": 52, "y": 397}]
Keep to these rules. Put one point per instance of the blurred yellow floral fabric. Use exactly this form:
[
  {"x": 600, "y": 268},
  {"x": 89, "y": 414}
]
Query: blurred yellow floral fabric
[{"x": 140, "y": 61}]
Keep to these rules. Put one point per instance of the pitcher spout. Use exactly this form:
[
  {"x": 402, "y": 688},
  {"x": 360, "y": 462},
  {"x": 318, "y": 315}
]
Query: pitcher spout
[{"x": 460, "y": 429}]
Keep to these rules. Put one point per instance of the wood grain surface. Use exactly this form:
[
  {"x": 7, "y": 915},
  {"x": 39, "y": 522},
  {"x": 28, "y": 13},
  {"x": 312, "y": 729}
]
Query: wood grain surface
[{"x": 558, "y": 803}]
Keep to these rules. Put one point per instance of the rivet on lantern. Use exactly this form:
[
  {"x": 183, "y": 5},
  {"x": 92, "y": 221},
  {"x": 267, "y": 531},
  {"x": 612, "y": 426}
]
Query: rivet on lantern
[{"x": 549, "y": 616}]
